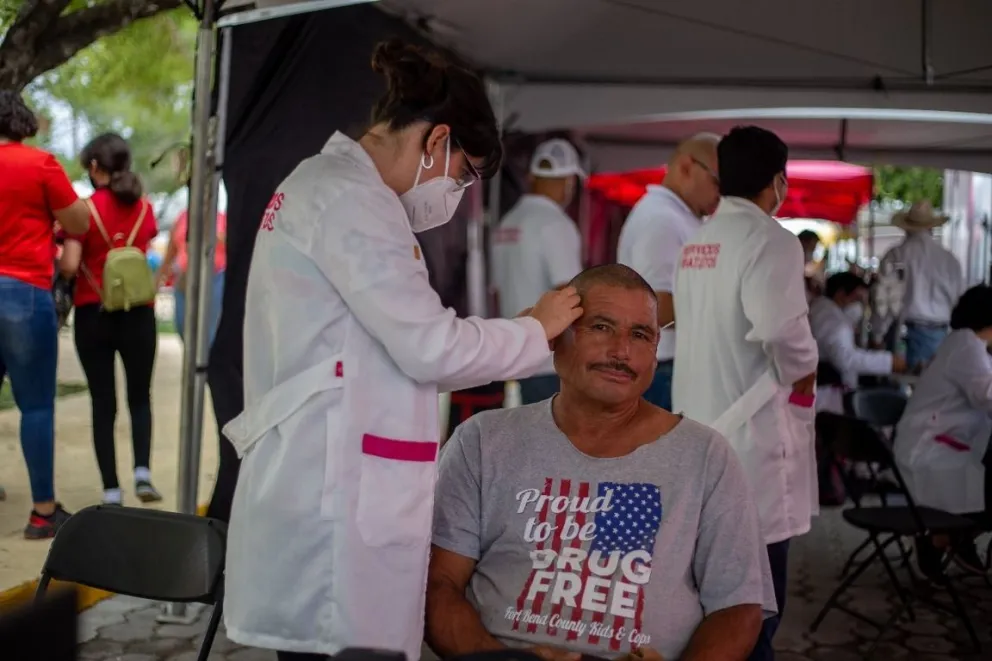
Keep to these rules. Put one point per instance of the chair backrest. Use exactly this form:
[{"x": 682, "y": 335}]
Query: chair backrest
[
  {"x": 882, "y": 407},
  {"x": 43, "y": 629},
  {"x": 150, "y": 554},
  {"x": 852, "y": 439}
]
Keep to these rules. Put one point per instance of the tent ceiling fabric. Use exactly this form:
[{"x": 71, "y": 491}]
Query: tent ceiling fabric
[
  {"x": 619, "y": 69},
  {"x": 955, "y": 145}
]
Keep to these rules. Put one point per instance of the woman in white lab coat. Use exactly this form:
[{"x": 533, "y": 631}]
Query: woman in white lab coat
[
  {"x": 346, "y": 348},
  {"x": 941, "y": 444}
]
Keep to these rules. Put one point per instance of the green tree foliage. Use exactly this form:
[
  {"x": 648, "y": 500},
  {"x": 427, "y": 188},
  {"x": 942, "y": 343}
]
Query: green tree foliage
[
  {"x": 37, "y": 36},
  {"x": 909, "y": 185},
  {"x": 137, "y": 83}
]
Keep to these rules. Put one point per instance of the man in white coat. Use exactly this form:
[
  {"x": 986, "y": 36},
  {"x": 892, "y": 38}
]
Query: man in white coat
[
  {"x": 745, "y": 359},
  {"x": 833, "y": 318},
  {"x": 657, "y": 228},
  {"x": 537, "y": 246}
]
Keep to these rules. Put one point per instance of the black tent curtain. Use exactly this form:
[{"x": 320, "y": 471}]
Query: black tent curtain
[{"x": 293, "y": 82}]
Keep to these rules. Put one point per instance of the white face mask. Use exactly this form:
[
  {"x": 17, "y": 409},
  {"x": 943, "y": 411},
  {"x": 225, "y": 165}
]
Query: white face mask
[
  {"x": 855, "y": 312},
  {"x": 432, "y": 203},
  {"x": 779, "y": 199}
]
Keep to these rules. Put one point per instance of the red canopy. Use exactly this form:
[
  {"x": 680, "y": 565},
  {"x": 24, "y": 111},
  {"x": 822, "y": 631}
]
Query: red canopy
[{"x": 826, "y": 190}]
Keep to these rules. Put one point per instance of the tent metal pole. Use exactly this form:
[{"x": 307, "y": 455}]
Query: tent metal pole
[
  {"x": 476, "y": 268},
  {"x": 200, "y": 250},
  {"x": 201, "y": 236}
]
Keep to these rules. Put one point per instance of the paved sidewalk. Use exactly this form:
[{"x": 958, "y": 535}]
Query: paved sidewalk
[
  {"x": 124, "y": 629},
  {"x": 77, "y": 481}
]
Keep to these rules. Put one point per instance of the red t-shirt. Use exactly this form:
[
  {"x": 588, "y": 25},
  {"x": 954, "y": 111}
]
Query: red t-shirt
[
  {"x": 182, "y": 256},
  {"x": 118, "y": 220},
  {"x": 32, "y": 184}
]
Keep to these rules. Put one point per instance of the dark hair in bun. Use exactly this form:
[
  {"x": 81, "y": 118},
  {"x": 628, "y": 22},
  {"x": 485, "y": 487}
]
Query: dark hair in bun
[
  {"x": 427, "y": 84},
  {"x": 113, "y": 155}
]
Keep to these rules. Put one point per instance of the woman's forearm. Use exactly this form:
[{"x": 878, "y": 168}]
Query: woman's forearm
[{"x": 72, "y": 252}]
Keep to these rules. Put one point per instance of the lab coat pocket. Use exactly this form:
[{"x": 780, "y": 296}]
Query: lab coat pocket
[
  {"x": 396, "y": 491},
  {"x": 800, "y": 414}
]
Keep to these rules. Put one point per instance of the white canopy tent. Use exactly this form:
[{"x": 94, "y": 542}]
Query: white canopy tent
[
  {"x": 913, "y": 79},
  {"x": 633, "y": 76}
]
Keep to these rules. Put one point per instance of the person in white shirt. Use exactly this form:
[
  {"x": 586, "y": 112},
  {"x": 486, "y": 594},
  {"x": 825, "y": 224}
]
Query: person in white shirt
[
  {"x": 833, "y": 318},
  {"x": 942, "y": 440},
  {"x": 657, "y": 228},
  {"x": 933, "y": 281},
  {"x": 537, "y": 246},
  {"x": 745, "y": 359}
]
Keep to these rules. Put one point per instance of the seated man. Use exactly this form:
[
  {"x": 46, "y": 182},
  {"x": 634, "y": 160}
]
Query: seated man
[
  {"x": 833, "y": 318},
  {"x": 595, "y": 522}
]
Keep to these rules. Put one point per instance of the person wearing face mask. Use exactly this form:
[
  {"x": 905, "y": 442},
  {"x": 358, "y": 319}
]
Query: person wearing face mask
[
  {"x": 657, "y": 228},
  {"x": 745, "y": 359},
  {"x": 833, "y": 318},
  {"x": 537, "y": 246},
  {"x": 942, "y": 440},
  {"x": 346, "y": 348}
]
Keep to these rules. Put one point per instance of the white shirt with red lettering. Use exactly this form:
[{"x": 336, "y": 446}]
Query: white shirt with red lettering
[
  {"x": 741, "y": 312},
  {"x": 650, "y": 242}
]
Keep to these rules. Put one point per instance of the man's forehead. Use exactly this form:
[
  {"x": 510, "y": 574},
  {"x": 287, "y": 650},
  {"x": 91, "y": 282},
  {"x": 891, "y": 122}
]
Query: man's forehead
[{"x": 619, "y": 303}]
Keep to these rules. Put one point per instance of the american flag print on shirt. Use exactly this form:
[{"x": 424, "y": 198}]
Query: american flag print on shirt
[{"x": 591, "y": 561}]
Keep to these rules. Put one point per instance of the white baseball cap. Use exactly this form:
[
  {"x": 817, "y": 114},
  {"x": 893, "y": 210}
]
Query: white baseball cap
[{"x": 561, "y": 155}]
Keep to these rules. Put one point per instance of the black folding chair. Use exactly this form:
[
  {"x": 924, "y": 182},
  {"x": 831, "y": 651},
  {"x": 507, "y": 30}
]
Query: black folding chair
[
  {"x": 880, "y": 410},
  {"x": 857, "y": 441},
  {"x": 162, "y": 556}
]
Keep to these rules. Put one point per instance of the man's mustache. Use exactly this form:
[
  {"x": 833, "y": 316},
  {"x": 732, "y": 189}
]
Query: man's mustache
[{"x": 614, "y": 365}]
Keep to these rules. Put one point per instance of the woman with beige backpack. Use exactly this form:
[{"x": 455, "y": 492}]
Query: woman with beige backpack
[{"x": 115, "y": 298}]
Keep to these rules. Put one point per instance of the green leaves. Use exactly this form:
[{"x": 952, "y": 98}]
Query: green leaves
[
  {"x": 909, "y": 185},
  {"x": 138, "y": 83}
]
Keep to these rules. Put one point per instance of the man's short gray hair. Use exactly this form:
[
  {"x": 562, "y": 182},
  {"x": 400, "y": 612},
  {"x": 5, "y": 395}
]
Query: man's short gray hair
[{"x": 611, "y": 275}]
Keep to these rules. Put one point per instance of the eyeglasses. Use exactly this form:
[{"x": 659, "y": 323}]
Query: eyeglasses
[
  {"x": 471, "y": 175},
  {"x": 713, "y": 175}
]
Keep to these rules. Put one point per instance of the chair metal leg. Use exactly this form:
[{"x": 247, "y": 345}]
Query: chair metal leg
[
  {"x": 903, "y": 595},
  {"x": 39, "y": 594},
  {"x": 962, "y": 613},
  {"x": 846, "y": 583},
  {"x": 854, "y": 557},
  {"x": 211, "y": 632}
]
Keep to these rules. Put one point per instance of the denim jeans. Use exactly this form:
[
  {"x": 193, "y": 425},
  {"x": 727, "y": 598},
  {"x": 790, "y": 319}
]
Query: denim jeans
[
  {"x": 29, "y": 357},
  {"x": 216, "y": 300},
  {"x": 659, "y": 392},
  {"x": 778, "y": 559},
  {"x": 922, "y": 342}
]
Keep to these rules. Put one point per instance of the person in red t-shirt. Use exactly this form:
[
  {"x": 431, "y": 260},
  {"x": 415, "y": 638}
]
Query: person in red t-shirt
[
  {"x": 34, "y": 193},
  {"x": 101, "y": 335},
  {"x": 174, "y": 266}
]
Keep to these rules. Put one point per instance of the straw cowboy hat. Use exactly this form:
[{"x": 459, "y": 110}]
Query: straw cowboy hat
[{"x": 919, "y": 217}]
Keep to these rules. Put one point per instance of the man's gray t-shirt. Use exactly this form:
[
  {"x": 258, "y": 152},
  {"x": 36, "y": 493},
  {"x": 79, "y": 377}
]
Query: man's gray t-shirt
[{"x": 598, "y": 555}]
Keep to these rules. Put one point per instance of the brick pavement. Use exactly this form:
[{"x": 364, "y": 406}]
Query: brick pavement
[{"x": 124, "y": 629}]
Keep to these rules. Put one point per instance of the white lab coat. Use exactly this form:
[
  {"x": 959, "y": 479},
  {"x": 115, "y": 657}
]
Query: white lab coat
[
  {"x": 742, "y": 339},
  {"x": 944, "y": 433},
  {"x": 933, "y": 282},
  {"x": 834, "y": 335},
  {"x": 345, "y": 345}
]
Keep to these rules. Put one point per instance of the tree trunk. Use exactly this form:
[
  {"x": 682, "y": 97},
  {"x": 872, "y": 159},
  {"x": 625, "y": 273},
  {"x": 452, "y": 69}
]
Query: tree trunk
[{"x": 41, "y": 37}]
